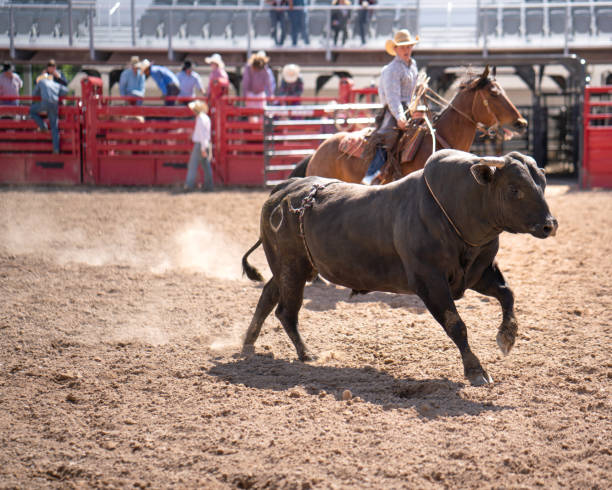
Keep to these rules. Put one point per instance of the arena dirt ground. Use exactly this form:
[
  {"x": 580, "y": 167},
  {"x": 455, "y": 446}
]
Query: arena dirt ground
[{"x": 121, "y": 313}]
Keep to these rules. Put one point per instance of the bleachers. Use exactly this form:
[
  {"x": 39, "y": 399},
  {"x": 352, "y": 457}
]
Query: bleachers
[{"x": 440, "y": 23}]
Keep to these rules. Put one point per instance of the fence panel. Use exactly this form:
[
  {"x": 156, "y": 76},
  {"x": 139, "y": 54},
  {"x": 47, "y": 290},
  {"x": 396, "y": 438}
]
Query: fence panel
[
  {"x": 597, "y": 164},
  {"x": 27, "y": 153}
]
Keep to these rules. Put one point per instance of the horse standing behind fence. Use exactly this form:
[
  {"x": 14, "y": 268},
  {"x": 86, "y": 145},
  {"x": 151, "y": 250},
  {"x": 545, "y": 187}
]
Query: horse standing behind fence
[{"x": 480, "y": 100}]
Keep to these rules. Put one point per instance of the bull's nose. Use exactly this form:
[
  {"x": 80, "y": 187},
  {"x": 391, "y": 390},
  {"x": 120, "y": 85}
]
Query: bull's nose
[{"x": 550, "y": 227}]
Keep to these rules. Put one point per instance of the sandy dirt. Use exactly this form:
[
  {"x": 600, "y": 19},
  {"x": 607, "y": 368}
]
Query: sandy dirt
[{"x": 121, "y": 313}]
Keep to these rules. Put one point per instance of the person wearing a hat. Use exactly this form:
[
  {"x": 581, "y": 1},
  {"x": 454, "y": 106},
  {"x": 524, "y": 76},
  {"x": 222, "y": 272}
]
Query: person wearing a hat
[
  {"x": 292, "y": 84},
  {"x": 201, "y": 154},
  {"x": 49, "y": 91},
  {"x": 10, "y": 84},
  {"x": 218, "y": 81},
  {"x": 164, "y": 78},
  {"x": 397, "y": 82},
  {"x": 189, "y": 80},
  {"x": 132, "y": 82},
  {"x": 257, "y": 81},
  {"x": 54, "y": 71}
]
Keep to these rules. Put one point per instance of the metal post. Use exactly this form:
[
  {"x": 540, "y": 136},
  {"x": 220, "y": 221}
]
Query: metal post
[
  {"x": 92, "y": 49},
  {"x": 169, "y": 32},
  {"x": 328, "y": 53},
  {"x": 70, "y": 22},
  {"x": 133, "y": 16},
  {"x": 249, "y": 30},
  {"x": 418, "y": 16},
  {"x": 12, "y": 32},
  {"x": 567, "y": 25}
]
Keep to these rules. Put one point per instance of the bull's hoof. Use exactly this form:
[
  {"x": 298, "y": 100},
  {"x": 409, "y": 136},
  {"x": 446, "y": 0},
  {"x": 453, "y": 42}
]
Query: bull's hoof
[
  {"x": 479, "y": 379},
  {"x": 308, "y": 357},
  {"x": 505, "y": 341},
  {"x": 248, "y": 350}
]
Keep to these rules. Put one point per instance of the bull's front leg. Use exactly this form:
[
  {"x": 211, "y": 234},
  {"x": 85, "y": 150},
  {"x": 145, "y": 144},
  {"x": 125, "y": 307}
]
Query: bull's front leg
[
  {"x": 492, "y": 283},
  {"x": 435, "y": 292}
]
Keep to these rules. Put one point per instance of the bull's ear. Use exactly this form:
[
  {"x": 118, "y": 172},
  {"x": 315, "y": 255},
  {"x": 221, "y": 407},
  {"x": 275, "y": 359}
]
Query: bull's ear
[{"x": 482, "y": 173}]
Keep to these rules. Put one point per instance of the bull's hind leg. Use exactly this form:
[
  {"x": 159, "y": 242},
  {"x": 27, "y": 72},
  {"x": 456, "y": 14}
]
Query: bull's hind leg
[
  {"x": 291, "y": 297},
  {"x": 492, "y": 283},
  {"x": 267, "y": 301}
]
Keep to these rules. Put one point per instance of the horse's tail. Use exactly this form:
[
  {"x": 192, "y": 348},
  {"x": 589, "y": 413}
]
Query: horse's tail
[
  {"x": 300, "y": 168},
  {"x": 251, "y": 272}
]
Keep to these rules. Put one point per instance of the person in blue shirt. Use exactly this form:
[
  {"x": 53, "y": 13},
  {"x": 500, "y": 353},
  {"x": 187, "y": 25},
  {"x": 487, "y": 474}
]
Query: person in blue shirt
[
  {"x": 132, "y": 82},
  {"x": 167, "y": 81},
  {"x": 189, "y": 81},
  {"x": 49, "y": 92}
]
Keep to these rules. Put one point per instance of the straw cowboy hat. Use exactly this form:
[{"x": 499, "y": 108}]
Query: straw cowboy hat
[
  {"x": 198, "y": 106},
  {"x": 43, "y": 76},
  {"x": 215, "y": 58},
  {"x": 144, "y": 64},
  {"x": 135, "y": 61},
  {"x": 291, "y": 73},
  {"x": 401, "y": 38}
]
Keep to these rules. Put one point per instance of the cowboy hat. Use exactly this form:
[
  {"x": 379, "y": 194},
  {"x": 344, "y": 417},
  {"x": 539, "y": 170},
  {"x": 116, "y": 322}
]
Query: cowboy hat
[
  {"x": 401, "y": 38},
  {"x": 198, "y": 106},
  {"x": 144, "y": 64},
  {"x": 291, "y": 72},
  {"x": 215, "y": 58},
  {"x": 135, "y": 61}
]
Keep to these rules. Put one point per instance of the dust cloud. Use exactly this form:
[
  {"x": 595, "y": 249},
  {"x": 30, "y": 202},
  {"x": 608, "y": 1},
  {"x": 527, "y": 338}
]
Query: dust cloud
[{"x": 195, "y": 246}]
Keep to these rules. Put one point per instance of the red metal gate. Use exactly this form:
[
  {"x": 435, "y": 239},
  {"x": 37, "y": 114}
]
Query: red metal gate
[
  {"x": 597, "y": 156},
  {"x": 27, "y": 154}
]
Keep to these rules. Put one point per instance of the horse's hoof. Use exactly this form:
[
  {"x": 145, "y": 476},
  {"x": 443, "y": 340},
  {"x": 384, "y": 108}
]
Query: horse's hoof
[{"x": 308, "y": 357}]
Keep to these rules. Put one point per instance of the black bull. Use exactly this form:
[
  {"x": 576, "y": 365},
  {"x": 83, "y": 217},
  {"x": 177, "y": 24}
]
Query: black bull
[{"x": 434, "y": 233}]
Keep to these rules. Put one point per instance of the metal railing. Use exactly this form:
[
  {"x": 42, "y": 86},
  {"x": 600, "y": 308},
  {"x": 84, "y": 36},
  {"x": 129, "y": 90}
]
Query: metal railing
[{"x": 483, "y": 24}]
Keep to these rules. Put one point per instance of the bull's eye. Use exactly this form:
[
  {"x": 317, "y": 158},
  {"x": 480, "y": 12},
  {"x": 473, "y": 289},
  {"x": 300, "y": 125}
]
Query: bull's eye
[{"x": 515, "y": 192}]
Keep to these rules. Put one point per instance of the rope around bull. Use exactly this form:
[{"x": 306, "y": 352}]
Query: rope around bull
[{"x": 307, "y": 202}]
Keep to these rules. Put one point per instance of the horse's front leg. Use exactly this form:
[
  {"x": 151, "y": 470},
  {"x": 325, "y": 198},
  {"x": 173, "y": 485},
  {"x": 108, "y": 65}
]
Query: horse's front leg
[{"x": 492, "y": 283}]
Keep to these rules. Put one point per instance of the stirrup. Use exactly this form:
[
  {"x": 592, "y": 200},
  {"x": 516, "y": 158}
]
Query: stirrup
[{"x": 367, "y": 180}]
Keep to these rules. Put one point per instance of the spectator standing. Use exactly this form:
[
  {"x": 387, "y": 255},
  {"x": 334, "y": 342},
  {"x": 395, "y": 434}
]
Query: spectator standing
[
  {"x": 54, "y": 71},
  {"x": 269, "y": 93},
  {"x": 189, "y": 81},
  {"x": 164, "y": 78},
  {"x": 132, "y": 82},
  {"x": 339, "y": 20},
  {"x": 257, "y": 82},
  {"x": 364, "y": 17},
  {"x": 49, "y": 91},
  {"x": 200, "y": 154},
  {"x": 278, "y": 20},
  {"x": 218, "y": 78},
  {"x": 10, "y": 84},
  {"x": 297, "y": 18},
  {"x": 292, "y": 84}
]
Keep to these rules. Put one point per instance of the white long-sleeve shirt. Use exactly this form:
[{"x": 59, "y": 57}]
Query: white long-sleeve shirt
[
  {"x": 397, "y": 82},
  {"x": 201, "y": 132}
]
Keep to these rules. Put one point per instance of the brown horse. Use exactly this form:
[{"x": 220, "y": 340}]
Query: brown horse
[{"x": 479, "y": 100}]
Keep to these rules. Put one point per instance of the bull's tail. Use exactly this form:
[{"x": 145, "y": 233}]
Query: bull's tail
[
  {"x": 300, "y": 168},
  {"x": 251, "y": 272}
]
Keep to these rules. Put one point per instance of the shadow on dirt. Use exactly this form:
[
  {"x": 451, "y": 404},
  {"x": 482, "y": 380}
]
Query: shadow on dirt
[
  {"x": 323, "y": 297},
  {"x": 431, "y": 398}
]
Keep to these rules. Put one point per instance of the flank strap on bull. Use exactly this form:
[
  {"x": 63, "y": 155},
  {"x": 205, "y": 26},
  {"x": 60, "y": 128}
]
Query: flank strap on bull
[{"x": 307, "y": 202}]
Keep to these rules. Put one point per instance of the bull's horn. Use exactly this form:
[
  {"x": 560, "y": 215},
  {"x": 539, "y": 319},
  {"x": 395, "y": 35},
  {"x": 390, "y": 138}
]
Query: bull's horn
[{"x": 498, "y": 162}]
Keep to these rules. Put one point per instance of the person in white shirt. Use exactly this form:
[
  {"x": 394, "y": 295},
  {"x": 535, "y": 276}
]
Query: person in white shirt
[{"x": 201, "y": 153}]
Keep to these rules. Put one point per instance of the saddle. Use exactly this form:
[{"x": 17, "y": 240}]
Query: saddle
[{"x": 355, "y": 143}]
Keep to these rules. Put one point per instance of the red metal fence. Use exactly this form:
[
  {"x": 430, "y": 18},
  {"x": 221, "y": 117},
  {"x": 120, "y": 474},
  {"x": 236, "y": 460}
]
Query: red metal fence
[
  {"x": 597, "y": 156},
  {"x": 26, "y": 154}
]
